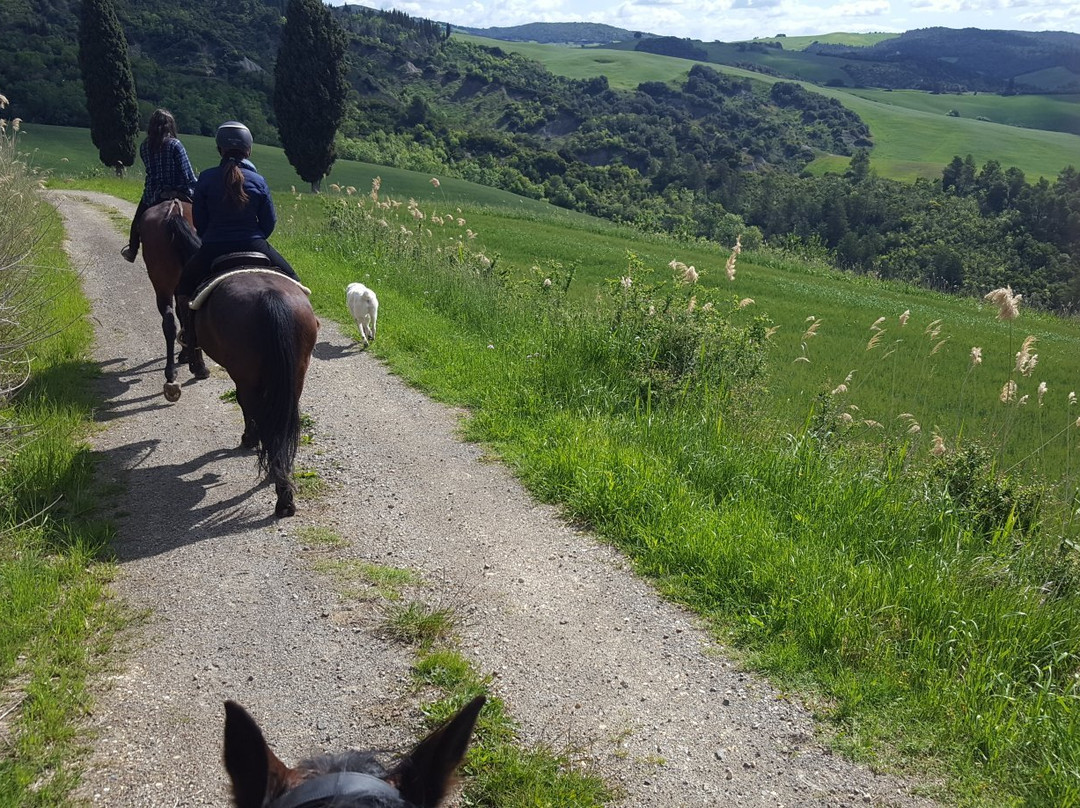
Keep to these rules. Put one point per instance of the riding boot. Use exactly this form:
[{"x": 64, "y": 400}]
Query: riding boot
[
  {"x": 130, "y": 251},
  {"x": 188, "y": 336}
]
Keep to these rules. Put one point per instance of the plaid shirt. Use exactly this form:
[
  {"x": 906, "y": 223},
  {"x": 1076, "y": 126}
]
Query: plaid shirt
[{"x": 167, "y": 169}]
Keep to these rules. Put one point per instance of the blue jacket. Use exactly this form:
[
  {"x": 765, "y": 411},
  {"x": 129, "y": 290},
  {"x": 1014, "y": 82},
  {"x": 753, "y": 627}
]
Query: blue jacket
[{"x": 218, "y": 220}]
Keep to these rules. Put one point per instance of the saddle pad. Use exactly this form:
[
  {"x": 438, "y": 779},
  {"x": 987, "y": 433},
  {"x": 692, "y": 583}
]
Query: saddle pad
[{"x": 204, "y": 292}]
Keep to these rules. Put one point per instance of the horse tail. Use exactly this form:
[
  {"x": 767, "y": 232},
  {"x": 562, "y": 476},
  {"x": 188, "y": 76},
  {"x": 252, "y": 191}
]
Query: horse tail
[
  {"x": 278, "y": 408},
  {"x": 184, "y": 237}
]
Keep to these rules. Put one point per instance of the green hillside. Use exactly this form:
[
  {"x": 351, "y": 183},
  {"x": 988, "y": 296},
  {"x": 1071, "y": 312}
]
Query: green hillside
[
  {"x": 755, "y": 56},
  {"x": 554, "y": 33},
  {"x": 908, "y": 142},
  {"x": 1054, "y": 113},
  {"x": 798, "y": 43},
  {"x": 624, "y": 69}
]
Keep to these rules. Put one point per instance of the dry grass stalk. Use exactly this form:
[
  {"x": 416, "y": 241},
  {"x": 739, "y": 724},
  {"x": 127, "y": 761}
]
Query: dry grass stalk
[
  {"x": 1008, "y": 304},
  {"x": 1025, "y": 359},
  {"x": 729, "y": 267},
  {"x": 938, "y": 449}
]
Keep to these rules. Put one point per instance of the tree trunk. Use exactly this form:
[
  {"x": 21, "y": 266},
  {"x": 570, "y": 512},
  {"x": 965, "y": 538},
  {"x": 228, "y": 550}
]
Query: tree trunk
[{"x": 316, "y": 187}]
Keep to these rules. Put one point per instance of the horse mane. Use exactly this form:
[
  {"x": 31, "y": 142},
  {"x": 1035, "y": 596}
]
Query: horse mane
[{"x": 354, "y": 760}]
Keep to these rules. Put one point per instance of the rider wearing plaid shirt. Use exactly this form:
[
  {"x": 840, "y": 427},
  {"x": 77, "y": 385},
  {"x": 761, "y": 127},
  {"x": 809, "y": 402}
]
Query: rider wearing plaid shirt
[{"x": 168, "y": 172}]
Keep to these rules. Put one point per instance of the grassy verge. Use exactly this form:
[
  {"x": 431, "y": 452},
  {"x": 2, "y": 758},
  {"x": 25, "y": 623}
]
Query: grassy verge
[
  {"x": 55, "y": 618},
  {"x": 924, "y": 595}
]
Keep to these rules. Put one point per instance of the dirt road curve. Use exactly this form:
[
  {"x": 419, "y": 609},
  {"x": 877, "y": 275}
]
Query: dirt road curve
[{"x": 581, "y": 650}]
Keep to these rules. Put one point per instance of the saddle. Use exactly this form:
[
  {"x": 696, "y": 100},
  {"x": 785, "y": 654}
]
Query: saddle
[
  {"x": 236, "y": 263},
  {"x": 235, "y": 260}
]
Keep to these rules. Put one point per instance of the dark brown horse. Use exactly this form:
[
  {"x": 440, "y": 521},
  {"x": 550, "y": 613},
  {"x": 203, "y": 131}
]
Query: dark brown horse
[
  {"x": 352, "y": 780},
  {"x": 163, "y": 266},
  {"x": 260, "y": 327}
]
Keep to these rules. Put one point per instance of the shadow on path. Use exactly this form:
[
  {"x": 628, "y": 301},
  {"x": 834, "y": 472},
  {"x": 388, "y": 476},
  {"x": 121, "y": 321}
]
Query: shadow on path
[{"x": 178, "y": 505}]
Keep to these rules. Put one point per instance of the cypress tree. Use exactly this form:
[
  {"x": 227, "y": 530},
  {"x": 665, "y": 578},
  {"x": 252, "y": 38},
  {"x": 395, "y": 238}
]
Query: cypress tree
[
  {"x": 108, "y": 84},
  {"x": 310, "y": 88}
]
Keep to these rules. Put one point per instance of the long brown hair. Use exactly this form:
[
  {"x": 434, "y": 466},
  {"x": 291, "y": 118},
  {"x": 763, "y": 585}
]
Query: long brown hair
[
  {"x": 162, "y": 127},
  {"x": 234, "y": 177}
]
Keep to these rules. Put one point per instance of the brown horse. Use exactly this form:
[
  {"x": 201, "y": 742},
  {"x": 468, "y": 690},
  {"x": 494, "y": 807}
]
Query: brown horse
[
  {"x": 352, "y": 780},
  {"x": 260, "y": 327},
  {"x": 163, "y": 266}
]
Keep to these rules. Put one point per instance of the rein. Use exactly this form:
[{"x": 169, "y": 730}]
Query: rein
[{"x": 329, "y": 789}]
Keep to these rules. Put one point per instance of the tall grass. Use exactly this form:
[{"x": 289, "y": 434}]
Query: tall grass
[
  {"x": 925, "y": 598},
  {"x": 54, "y": 618}
]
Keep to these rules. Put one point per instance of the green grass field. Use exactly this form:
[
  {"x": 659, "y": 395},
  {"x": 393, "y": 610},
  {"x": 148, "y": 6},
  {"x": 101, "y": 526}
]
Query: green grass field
[
  {"x": 1053, "y": 113},
  {"x": 796, "y": 43},
  {"x": 805, "y": 518},
  {"x": 908, "y": 142}
]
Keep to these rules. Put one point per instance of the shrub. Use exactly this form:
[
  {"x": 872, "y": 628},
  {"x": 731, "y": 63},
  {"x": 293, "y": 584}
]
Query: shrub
[
  {"x": 674, "y": 336},
  {"x": 988, "y": 501}
]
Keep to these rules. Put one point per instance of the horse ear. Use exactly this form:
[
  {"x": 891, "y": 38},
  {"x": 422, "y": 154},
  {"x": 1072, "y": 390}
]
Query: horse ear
[
  {"x": 255, "y": 771},
  {"x": 423, "y": 776}
]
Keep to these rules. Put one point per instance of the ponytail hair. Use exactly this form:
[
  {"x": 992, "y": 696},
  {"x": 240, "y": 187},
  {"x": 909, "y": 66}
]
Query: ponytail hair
[{"x": 234, "y": 179}]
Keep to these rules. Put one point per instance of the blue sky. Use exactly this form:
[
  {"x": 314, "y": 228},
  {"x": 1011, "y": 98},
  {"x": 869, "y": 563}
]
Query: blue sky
[{"x": 729, "y": 20}]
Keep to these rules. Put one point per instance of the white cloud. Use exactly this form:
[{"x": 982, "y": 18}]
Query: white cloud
[
  {"x": 950, "y": 6},
  {"x": 1062, "y": 17},
  {"x": 730, "y": 20},
  {"x": 860, "y": 8}
]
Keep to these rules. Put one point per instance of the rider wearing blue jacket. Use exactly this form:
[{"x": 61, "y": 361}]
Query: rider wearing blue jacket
[{"x": 233, "y": 212}]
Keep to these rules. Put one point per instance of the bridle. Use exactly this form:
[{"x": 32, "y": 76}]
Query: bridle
[{"x": 328, "y": 789}]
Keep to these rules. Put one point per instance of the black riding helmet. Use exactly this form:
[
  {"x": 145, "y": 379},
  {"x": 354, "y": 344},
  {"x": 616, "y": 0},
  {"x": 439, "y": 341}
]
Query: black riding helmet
[{"x": 233, "y": 135}]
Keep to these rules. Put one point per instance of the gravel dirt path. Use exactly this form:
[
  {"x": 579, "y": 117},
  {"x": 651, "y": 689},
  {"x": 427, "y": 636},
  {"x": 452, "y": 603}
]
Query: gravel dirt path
[{"x": 582, "y": 651}]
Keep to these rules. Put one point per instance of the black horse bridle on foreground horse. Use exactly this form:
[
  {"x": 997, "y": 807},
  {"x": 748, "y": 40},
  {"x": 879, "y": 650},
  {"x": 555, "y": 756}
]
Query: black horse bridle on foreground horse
[{"x": 350, "y": 780}]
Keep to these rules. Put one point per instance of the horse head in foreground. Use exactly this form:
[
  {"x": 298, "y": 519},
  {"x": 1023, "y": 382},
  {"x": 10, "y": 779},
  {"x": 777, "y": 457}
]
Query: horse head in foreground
[{"x": 354, "y": 779}]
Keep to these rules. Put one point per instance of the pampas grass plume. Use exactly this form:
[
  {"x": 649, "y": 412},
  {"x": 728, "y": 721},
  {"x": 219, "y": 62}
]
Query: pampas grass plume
[{"x": 1008, "y": 304}]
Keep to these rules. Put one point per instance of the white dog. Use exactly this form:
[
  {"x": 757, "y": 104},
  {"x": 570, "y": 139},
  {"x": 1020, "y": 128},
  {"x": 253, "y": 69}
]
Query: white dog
[{"x": 364, "y": 307}]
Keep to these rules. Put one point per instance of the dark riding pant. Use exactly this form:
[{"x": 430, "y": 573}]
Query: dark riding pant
[
  {"x": 133, "y": 235},
  {"x": 197, "y": 269}
]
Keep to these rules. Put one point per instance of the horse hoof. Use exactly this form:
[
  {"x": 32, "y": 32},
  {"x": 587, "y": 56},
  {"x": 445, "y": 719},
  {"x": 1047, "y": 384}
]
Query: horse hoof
[
  {"x": 248, "y": 442},
  {"x": 282, "y": 511},
  {"x": 172, "y": 391},
  {"x": 201, "y": 372}
]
